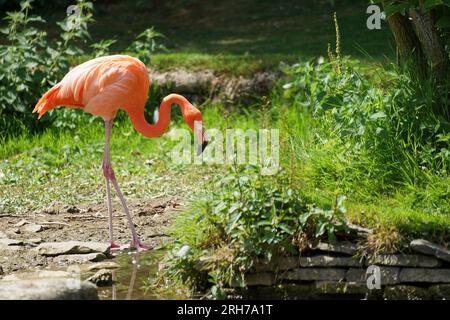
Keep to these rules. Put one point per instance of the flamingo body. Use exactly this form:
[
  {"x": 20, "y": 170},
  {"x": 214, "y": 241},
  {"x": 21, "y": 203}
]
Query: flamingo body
[{"x": 101, "y": 87}]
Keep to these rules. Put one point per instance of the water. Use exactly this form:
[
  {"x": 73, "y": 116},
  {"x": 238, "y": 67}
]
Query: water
[{"x": 136, "y": 270}]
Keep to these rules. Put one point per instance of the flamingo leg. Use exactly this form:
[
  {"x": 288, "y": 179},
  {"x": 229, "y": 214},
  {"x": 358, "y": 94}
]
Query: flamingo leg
[{"x": 108, "y": 172}]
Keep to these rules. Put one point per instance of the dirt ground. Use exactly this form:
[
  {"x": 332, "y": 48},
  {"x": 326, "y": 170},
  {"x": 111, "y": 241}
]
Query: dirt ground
[{"x": 80, "y": 223}]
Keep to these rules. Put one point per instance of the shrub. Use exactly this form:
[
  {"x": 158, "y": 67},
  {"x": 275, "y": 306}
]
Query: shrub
[
  {"x": 391, "y": 129},
  {"x": 29, "y": 63},
  {"x": 250, "y": 217}
]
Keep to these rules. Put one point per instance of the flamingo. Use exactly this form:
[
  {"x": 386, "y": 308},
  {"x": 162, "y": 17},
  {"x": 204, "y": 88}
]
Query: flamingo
[{"x": 101, "y": 87}]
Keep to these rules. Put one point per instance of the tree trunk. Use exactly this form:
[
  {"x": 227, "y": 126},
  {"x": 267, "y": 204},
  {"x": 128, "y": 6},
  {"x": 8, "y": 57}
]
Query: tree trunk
[
  {"x": 408, "y": 44},
  {"x": 430, "y": 41}
]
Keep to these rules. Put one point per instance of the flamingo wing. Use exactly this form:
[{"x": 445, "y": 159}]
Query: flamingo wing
[{"x": 100, "y": 86}]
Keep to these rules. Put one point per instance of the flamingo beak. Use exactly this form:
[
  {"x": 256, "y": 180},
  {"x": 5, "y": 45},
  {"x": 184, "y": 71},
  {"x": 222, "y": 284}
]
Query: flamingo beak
[
  {"x": 203, "y": 142},
  {"x": 202, "y": 147}
]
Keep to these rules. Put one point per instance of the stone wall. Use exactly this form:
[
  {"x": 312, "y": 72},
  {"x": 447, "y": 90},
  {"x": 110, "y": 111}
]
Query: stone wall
[{"x": 333, "y": 271}]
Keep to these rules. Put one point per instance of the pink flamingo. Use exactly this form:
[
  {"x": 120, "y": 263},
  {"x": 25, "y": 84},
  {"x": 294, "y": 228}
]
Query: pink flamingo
[{"x": 101, "y": 87}]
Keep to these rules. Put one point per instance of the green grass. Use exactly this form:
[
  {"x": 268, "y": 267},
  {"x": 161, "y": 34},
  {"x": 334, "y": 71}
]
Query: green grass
[{"x": 64, "y": 166}]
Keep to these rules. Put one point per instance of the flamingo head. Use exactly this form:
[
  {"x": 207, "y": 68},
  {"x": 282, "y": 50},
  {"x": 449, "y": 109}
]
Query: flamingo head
[{"x": 195, "y": 121}]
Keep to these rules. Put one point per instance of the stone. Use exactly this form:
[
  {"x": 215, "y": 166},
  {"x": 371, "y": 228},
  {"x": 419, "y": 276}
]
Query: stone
[
  {"x": 103, "y": 265},
  {"x": 328, "y": 261},
  {"x": 430, "y": 248},
  {"x": 184, "y": 81},
  {"x": 13, "y": 232},
  {"x": 405, "y": 260},
  {"x": 403, "y": 292},
  {"x": 389, "y": 275},
  {"x": 3, "y": 235},
  {"x": 33, "y": 241},
  {"x": 360, "y": 231},
  {"x": 71, "y": 247},
  {"x": 259, "y": 279},
  {"x": 21, "y": 223},
  {"x": 10, "y": 242},
  {"x": 312, "y": 274},
  {"x": 47, "y": 289},
  {"x": 344, "y": 247},
  {"x": 9, "y": 249},
  {"x": 79, "y": 258},
  {"x": 425, "y": 275},
  {"x": 277, "y": 264},
  {"x": 41, "y": 274},
  {"x": 102, "y": 278},
  {"x": 183, "y": 251},
  {"x": 32, "y": 228}
]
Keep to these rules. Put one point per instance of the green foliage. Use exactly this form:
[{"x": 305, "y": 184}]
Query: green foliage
[
  {"x": 394, "y": 128},
  {"x": 102, "y": 48},
  {"x": 439, "y": 9},
  {"x": 247, "y": 217},
  {"x": 29, "y": 62},
  {"x": 146, "y": 44}
]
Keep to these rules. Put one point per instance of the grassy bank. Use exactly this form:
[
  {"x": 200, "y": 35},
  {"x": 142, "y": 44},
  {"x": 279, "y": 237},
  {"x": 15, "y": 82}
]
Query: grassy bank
[
  {"x": 236, "y": 37},
  {"x": 359, "y": 142}
]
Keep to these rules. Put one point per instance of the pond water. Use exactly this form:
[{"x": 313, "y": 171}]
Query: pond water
[{"x": 132, "y": 278}]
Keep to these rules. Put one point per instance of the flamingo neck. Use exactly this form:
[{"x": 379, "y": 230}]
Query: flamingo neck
[{"x": 156, "y": 130}]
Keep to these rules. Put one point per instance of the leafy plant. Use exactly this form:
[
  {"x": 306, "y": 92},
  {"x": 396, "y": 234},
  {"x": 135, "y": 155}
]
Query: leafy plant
[
  {"x": 250, "y": 217},
  {"x": 146, "y": 44},
  {"x": 30, "y": 63},
  {"x": 102, "y": 48}
]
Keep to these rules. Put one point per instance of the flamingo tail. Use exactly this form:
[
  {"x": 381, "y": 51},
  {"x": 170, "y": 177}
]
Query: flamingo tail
[{"x": 48, "y": 101}]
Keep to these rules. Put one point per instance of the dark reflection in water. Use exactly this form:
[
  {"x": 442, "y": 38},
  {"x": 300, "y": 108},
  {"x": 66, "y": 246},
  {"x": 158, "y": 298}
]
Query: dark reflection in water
[{"x": 136, "y": 269}]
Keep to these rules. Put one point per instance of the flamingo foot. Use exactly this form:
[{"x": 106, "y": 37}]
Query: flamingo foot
[
  {"x": 114, "y": 247},
  {"x": 140, "y": 246}
]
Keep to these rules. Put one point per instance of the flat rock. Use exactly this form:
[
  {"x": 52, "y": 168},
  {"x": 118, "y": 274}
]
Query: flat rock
[
  {"x": 79, "y": 258},
  {"x": 3, "y": 235},
  {"x": 102, "y": 265},
  {"x": 260, "y": 279},
  {"x": 311, "y": 274},
  {"x": 102, "y": 278},
  {"x": 389, "y": 275},
  {"x": 21, "y": 223},
  {"x": 344, "y": 247},
  {"x": 405, "y": 260},
  {"x": 33, "y": 241},
  {"x": 425, "y": 275},
  {"x": 13, "y": 232},
  {"x": 32, "y": 228},
  {"x": 71, "y": 247},
  {"x": 47, "y": 289},
  {"x": 430, "y": 248},
  {"x": 41, "y": 274},
  {"x": 10, "y": 242},
  {"x": 328, "y": 261},
  {"x": 277, "y": 264},
  {"x": 360, "y": 231}
]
